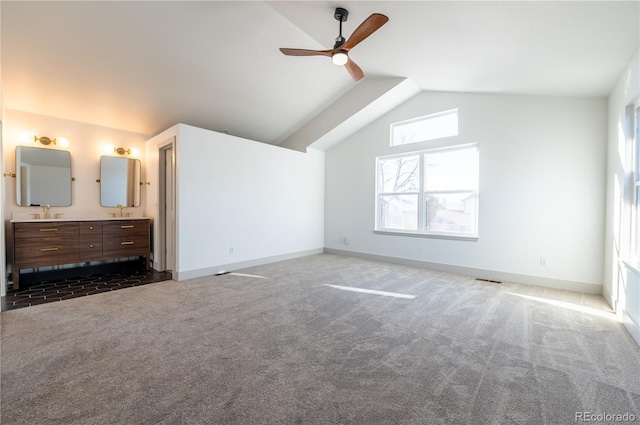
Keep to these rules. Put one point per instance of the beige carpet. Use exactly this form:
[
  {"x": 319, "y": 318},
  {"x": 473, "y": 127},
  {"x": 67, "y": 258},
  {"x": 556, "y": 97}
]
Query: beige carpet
[{"x": 292, "y": 343}]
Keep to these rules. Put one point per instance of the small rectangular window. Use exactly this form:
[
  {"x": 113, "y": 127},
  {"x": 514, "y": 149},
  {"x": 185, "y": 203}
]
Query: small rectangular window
[{"x": 429, "y": 127}]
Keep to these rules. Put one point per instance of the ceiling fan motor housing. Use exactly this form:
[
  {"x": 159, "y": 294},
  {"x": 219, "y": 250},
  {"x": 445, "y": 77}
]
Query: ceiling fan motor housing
[{"x": 341, "y": 14}]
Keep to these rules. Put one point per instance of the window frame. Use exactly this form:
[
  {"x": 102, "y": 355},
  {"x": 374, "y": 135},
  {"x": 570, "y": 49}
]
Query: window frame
[
  {"x": 424, "y": 118},
  {"x": 635, "y": 225},
  {"x": 422, "y": 195}
]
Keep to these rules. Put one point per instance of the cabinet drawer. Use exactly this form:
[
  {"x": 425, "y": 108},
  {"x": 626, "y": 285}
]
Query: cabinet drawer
[
  {"x": 126, "y": 227},
  {"x": 91, "y": 228},
  {"x": 45, "y": 250},
  {"x": 49, "y": 229},
  {"x": 91, "y": 251},
  {"x": 91, "y": 246},
  {"x": 125, "y": 245}
]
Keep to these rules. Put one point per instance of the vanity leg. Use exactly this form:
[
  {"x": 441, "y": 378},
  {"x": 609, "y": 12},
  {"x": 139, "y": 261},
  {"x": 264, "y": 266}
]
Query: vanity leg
[{"x": 16, "y": 278}]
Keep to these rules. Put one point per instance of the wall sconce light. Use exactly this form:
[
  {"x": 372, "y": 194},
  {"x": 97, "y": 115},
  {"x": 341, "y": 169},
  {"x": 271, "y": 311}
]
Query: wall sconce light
[
  {"x": 110, "y": 149},
  {"x": 129, "y": 151},
  {"x": 60, "y": 141}
]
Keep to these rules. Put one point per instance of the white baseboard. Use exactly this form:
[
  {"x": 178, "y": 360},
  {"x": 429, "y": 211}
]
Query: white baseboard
[
  {"x": 606, "y": 294},
  {"x": 632, "y": 327},
  {"x": 587, "y": 288},
  {"x": 208, "y": 271}
]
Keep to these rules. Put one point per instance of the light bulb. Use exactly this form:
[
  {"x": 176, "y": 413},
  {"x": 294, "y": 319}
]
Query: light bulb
[
  {"x": 27, "y": 137},
  {"x": 61, "y": 141},
  {"x": 340, "y": 58}
]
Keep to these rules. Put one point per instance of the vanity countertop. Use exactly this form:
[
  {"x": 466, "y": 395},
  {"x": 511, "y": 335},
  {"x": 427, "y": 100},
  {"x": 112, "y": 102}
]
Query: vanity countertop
[{"x": 55, "y": 220}]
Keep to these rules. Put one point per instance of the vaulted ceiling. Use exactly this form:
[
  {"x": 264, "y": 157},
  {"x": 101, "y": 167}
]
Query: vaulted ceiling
[{"x": 146, "y": 65}]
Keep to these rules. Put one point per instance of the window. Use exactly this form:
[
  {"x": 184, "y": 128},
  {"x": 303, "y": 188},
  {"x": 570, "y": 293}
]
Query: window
[
  {"x": 635, "y": 133},
  {"x": 435, "y": 126},
  {"x": 432, "y": 192}
]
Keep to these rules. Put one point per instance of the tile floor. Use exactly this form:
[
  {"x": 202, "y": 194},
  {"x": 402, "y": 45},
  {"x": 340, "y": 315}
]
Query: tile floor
[{"x": 63, "y": 289}]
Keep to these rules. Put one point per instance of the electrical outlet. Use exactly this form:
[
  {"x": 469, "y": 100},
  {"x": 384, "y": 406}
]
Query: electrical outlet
[
  {"x": 345, "y": 240},
  {"x": 230, "y": 250},
  {"x": 544, "y": 261}
]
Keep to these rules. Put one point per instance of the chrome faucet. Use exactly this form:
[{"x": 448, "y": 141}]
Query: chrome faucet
[
  {"x": 47, "y": 212},
  {"x": 121, "y": 208}
]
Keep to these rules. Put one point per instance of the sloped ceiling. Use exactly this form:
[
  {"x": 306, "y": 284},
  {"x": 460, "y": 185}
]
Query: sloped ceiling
[{"x": 144, "y": 66}]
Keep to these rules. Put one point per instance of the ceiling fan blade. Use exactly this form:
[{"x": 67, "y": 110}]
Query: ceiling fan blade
[
  {"x": 354, "y": 70},
  {"x": 366, "y": 28},
  {"x": 304, "y": 52}
]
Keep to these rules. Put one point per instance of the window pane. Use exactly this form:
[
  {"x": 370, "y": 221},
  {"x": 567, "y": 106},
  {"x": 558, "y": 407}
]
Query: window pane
[
  {"x": 453, "y": 212},
  {"x": 399, "y": 212},
  {"x": 436, "y": 126},
  {"x": 636, "y": 238},
  {"x": 451, "y": 170},
  {"x": 398, "y": 174}
]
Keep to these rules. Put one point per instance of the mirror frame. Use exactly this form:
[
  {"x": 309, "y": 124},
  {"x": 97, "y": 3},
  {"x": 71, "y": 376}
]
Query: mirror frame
[
  {"x": 45, "y": 177},
  {"x": 120, "y": 179}
]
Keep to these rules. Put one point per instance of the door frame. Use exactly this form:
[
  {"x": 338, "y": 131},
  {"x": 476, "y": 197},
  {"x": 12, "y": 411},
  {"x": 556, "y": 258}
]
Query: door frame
[{"x": 167, "y": 235}]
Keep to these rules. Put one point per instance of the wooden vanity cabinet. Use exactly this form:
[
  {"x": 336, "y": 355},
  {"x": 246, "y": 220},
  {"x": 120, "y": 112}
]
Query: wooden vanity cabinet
[{"x": 51, "y": 243}]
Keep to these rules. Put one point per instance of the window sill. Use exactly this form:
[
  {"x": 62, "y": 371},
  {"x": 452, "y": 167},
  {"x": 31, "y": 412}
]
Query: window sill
[
  {"x": 472, "y": 238},
  {"x": 633, "y": 264}
]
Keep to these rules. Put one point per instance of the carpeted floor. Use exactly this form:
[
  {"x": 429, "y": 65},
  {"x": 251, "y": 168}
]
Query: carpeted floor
[{"x": 290, "y": 343}]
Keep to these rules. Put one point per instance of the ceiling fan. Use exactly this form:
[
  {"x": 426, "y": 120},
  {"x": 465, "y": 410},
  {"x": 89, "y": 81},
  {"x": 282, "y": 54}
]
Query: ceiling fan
[{"x": 340, "y": 52}]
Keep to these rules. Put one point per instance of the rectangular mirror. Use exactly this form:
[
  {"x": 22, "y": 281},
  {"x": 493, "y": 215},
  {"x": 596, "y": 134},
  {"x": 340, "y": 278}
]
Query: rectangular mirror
[
  {"x": 43, "y": 176},
  {"x": 119, "y": 181}
]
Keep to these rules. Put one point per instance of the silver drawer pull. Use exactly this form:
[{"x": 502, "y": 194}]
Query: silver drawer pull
[
  {"x": 48, "y": 230},
  {"x": 127, "y": 227},
  {"x": 90, "y": 245},
  {"x": 49, "y": 249},
  {"x": 126, "y": 243},
  {"x": 90, "y": 227}
]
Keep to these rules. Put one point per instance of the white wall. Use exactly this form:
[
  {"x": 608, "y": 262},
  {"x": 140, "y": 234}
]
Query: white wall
[
  {"x": 3, "y": 186},
  {"x": 542, "y": 191},
  {"x": 621, "y": 281},
  {"x": 264, "y": 201},
  {"x": 2, "y": 190}
]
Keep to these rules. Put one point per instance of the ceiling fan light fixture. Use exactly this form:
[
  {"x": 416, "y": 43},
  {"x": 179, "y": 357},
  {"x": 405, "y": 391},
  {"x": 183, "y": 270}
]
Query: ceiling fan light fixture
[{"x": 340, "y": 57}]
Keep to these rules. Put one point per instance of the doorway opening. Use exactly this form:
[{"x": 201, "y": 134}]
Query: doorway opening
[{"x": 167, "y": 207}]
